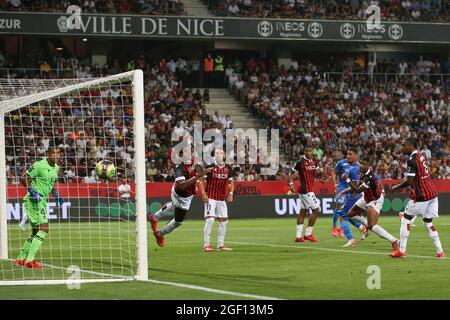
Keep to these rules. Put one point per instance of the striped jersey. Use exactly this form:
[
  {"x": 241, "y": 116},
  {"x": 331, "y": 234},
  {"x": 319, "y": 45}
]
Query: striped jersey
[
  {"x": 306, "y": 169},
  {"x": 185, "y": 172},
  {"x": 217, "y": 180},
  {"x": 423, "y": 188},
  {"x": 371, "y": 181}
]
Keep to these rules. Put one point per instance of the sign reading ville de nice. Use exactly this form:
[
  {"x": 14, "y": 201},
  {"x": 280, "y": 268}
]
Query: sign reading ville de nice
[{"x": 76, "y": 23}]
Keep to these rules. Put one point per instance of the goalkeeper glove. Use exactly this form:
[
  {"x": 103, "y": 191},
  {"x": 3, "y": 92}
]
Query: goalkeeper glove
[
  {"x": 58, "y": 198},
  {"x": 34, "y": 195}
]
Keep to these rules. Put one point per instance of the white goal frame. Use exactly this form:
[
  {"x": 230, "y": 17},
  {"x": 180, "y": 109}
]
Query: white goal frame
[{"x": 140, "y": 174}]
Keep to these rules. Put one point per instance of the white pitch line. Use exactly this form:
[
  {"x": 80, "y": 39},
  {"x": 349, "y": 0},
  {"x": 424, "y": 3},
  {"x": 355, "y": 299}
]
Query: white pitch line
[
  {"x": 194, "y": 287},
  {"x": 321, "y": 249},
  {"x": 167, "y": 283}
]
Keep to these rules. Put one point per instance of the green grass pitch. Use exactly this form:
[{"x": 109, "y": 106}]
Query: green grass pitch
[{"x": 265, "y": 262}]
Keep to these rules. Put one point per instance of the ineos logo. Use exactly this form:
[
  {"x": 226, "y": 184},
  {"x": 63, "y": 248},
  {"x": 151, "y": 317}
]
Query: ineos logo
[
  {"x": 395, "y": 32},
  {"x": 315, "y": 30},
  {"x": 265, "y": 29},
  {"x": 347, "y": 31}
]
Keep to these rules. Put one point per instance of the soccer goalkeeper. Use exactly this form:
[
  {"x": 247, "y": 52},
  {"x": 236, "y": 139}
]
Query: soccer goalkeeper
[{"x": 39, "y": 180}]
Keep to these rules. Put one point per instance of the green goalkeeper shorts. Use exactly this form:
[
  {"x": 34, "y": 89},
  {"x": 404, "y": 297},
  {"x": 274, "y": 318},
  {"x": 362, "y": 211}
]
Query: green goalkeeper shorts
[{"x": 37, "y": 212}]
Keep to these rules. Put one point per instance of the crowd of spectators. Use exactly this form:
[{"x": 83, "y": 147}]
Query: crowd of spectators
[
  {"x": 334, "y": 112},
  {"x": 391, "y": 10},
  {"x": 329, "y": 112},
  {"x": 154, "y": 7}
]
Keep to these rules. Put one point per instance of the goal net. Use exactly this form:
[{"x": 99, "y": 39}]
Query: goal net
[{"x": 96, "y": 228}]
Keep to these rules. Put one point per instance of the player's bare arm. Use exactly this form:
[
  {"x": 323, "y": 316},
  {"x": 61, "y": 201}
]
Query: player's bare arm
[
  {"x": 183, "y": 185},
  {"x": 404, "y": 184},
  {"x": 25, "y": 180},
  {"x": 291, "y": 178},
  {"x": 354, "y": 187},
  {"x": 231, "y": 191},
  {"x": 201, "y": 185}
]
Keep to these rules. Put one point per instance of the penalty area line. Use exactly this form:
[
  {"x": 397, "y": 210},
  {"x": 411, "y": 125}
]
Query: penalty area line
[
  {"x": 323, "y": 249},
  {"x": 224, "y": 292}
]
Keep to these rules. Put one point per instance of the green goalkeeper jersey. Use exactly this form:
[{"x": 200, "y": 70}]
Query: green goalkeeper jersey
[{"x": 43, "y": 177}]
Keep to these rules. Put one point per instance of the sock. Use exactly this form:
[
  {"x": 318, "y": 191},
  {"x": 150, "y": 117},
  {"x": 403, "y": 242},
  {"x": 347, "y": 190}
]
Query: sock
[
  {"x": 26, "y": 248},
  {"x": 164, "y": 211},
  {"x": 405, "y": 226},
  {"x": 355, "y": 223},
  {"x": 309, "y": 231},
  {"x": 299, "y": 230},
  {"x": 346, "y": 228},
  {"x": 207, "y": 230},
  {"x": 221, "y": 233},
  {"x": 383, "y": 233},
  {"x": 169, "y": 227},
  {"x": 335, "y": 218},
  {"x": 361, "y": 220},
  {"x": 434, "y": 235},
  {"x": 36, "y": 245}
]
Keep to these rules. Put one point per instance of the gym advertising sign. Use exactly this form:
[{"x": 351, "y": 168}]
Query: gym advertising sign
[{"x": 76, "y": 23}]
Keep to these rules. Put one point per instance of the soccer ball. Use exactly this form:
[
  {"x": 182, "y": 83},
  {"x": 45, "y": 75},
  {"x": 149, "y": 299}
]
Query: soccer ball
[{"x": 105, "y": 169}]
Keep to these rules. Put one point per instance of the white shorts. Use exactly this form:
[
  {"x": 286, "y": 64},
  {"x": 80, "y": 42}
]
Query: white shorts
[
  {"x": 376, "y": 204},
  {"x": 427, "y": 209},
  {"x": 180, "y": 202},
  {"x": 216, "y": 209},
  {"x": 309, "y": 201}
]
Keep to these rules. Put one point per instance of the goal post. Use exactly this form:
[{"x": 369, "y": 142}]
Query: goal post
[{"x": 96, "y": 235}]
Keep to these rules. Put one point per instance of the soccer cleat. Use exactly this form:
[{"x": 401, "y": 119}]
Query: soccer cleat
[
  {"x": 153, "y": 222},
  {"x": 33, "y": 264},
  {"x": 311, "y": 238},
  {"x": 394, "y": 245},
  {"x": 350, "y": 243},
  {"x": 300, "y": 239},
  {"x": 208, "y": 249},
  {"x": 159, "y": 239},
  {"x": 335, "y": 232},
  {"x": 398, "y": 254},
  {"x": 223, "y": 248},
  {"x": 20, "y": 263},
  {"x": 440, "y": 255},
  {"x": 364, "y": 232},
  {"x": 341, "y": 232}
]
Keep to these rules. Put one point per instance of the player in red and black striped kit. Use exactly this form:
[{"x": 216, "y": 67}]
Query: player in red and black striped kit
[
  {"x": 219, "y": 187},
  {"x": 423, "y": 199},
  {"x": 183, "y": 190},
  {"x": 372, "y": 202},
  {"x": 306, "y": 169}
]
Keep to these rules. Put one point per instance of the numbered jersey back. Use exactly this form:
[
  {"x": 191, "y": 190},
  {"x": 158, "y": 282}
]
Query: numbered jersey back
[{"x": 423, "y": 188}]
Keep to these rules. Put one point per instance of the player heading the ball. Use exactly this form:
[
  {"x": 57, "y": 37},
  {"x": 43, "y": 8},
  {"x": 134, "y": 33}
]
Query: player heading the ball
[{"x": 183, "y": 190}]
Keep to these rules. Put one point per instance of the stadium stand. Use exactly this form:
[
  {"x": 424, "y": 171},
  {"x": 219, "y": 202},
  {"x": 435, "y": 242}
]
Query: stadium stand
[
  {"x": 391, "y": 10},
  {"x": 332, "y": 111},
  {"x": 329, "y": 111},
  {"x": 175, "y": 7}
]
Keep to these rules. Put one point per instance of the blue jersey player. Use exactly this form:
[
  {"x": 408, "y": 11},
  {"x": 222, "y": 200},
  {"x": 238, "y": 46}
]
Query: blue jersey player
[{"x": 344, "y": 203}]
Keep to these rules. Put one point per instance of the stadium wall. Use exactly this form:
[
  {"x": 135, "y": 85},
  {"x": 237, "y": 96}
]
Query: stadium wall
[
  {"x": 243, "y": 29},
  {"x": 99, "y": 202}
]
